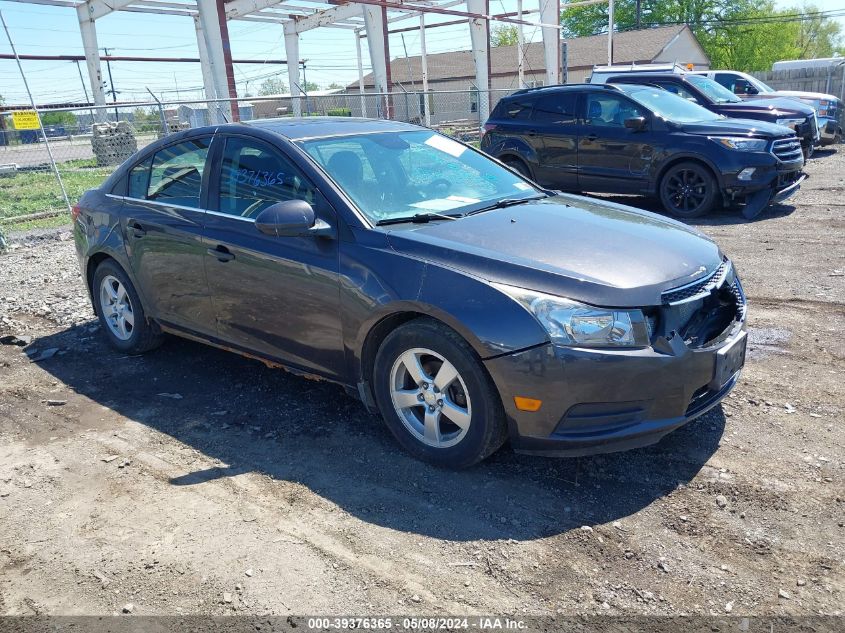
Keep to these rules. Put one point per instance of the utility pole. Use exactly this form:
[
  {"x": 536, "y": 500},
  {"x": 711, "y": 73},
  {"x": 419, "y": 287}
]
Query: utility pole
[
  {"x": 304, "y": 85},
  {"x": 84, "y": 89},
  {"x": 408, "y": 62},
  {"x": 639, "y": 12},
  {"x": 111, "y": 83}
]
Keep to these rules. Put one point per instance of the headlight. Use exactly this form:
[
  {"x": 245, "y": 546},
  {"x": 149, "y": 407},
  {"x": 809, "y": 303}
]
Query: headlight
[
  {"x": 790, "y": 122},
  {"x": 740, "y": 143},
  {"x": 579, "y": 325}
]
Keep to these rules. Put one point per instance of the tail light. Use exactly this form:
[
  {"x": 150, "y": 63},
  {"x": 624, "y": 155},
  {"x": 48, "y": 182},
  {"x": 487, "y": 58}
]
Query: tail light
[
  {"x": 488, "y": 127},
  {"x": 74, "y": 212}
]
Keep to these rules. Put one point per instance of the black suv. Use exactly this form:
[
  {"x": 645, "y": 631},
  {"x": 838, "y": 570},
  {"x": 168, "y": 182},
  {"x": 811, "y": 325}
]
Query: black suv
[
  {"x": 716, "y": 98},
  {"x": 643, "y": 140}
]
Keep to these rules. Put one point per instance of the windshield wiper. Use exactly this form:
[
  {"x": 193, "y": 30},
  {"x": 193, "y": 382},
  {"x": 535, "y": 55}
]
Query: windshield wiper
[
  {"x": 507, "y": 202},
  {"x": 418, "y": 218}
]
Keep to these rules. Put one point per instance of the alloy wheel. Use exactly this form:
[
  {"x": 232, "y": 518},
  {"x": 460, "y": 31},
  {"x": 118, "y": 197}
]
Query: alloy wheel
[
  {"x": 686, "y": 189},
  {"x": 430, "y": 397},
  {"x": 117, "y": 308}
]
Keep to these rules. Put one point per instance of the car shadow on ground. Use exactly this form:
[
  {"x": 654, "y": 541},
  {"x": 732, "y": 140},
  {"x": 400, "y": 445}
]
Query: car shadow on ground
[
  {"x": 718, "y": 217},
  {"x": 255, "y": 419}
]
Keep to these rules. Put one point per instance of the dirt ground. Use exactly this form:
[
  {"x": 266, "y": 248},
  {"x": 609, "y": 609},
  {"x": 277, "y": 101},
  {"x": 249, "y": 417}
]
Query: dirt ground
[{"x": 193, "y": 481}]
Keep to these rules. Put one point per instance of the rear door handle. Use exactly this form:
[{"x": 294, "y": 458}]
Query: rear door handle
[
  {"x": 531, "y": 132},
  {"x": 592, "y": 137},
  {"x": 221, "y": 253},
  {"x": 137, "y": 229}
]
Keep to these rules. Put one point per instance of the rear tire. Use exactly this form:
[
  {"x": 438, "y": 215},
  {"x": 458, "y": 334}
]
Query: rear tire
[
  {"x": 436, "y": 397},
  {"x": 120, "y": 312},
  {"x": 688, "y": 190},
  {"x": 518, "y": 166}
]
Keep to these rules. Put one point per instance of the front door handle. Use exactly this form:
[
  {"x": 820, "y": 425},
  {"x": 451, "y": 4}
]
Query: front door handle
[
  {"x": 531, "y": 132},
  {"x": 221, "y": 253},
  {"x": 137, "y": 229},
  {"x": 592, "y": 137}
]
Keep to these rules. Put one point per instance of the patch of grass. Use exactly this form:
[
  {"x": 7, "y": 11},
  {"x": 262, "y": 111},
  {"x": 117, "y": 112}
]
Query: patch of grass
[
  {"x": 62, "y": 219},
  {"x": 33, "y": 192}
]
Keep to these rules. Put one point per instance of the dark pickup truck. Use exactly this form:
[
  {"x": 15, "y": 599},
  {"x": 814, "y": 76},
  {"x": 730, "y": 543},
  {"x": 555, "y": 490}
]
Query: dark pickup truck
[{"x": 716, "y": 98}]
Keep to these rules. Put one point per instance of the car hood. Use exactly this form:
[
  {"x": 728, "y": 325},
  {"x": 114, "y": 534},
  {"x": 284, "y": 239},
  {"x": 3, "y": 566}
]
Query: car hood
[
  {"x": 787, "y": 106},
  {"x": 738, "y": 127},
  {"x": 800, "y": 94},
  {"x": 593, "y": 251}
]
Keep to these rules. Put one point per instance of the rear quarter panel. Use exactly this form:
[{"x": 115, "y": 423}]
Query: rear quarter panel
[{"x": 98, "y": 232}]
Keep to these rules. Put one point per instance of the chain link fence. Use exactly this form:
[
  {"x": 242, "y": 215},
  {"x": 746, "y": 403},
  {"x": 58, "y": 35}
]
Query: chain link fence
[{"x": 88, "y": 143}]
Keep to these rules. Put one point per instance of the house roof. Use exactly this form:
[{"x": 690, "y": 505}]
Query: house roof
[{"x": 583, "y": 52}]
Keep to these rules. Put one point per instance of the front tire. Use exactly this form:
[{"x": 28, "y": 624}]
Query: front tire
[
  {"x": 436, "y": 397},
  {"x": 120, "y": 312},
  {"x": 688, "y": 190}
]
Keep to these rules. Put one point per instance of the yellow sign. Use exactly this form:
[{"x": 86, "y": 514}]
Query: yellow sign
[{"x": 25, "y": 120}]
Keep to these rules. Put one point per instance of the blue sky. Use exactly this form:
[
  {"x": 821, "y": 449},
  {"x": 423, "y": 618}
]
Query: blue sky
[{"x": 330, "y": 53}]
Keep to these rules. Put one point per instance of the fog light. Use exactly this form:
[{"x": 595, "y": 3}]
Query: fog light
[
  {"x": 527, "y": 404},
  {"x": 746, "y": 173}
]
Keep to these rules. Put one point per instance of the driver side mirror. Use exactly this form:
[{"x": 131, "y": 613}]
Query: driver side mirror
[
  {"x": 291, "y": 218},
  {"x": 636, "y": 123}
]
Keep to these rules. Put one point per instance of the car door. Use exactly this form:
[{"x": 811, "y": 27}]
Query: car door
[
  {"x": 555, "y": 120},
  {"x": 516, "y": 131},
  {"x": 611, "y": 157},
  {"x": 163, "y": 215},
  {"x": 278, "y": 296}
]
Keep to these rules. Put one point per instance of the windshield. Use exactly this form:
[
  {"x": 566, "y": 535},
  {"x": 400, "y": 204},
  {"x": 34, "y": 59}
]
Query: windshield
[
  {"x": 712, "y": 90},
  {"x": 758, "y": 84},
  {"x": 399, "y": 174},
  {"x": 669, "y": 106}
]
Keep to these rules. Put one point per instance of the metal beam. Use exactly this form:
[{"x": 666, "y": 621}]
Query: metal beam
[
  {"x": 550, "y": 12},
  {"x": 205, "y": 66},
  {"x": 210, "y": 23},
  {"x": 327, "y": 17},
  {"x": 480, "y": 35},
  {"x": 88, "y": 31},
  {"x": 292, "y": 54},
  {"x": 95, "y": 9}
]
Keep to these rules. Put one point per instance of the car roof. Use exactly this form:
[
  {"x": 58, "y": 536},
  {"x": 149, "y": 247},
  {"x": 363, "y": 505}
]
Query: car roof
[
  {"x": 557, "y": 88},
  {"x": 627, "y": 77},
  {"x": 298, "y": 128}
]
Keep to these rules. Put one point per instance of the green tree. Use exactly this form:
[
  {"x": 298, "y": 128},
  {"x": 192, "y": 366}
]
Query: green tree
[
  {"x": 737, "y": 34},
  {"x": 336, "y": 86},
  {"x": 67, "y": 119},
  {"x": 504, "y": 35},
  {"x": 817, "y": 36},
  {"x": 310, "y": 86},
  {"x": 272, "y": 86}
]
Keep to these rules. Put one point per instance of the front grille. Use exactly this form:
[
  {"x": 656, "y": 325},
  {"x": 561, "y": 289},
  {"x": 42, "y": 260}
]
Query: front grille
[
  {"x": 706, "y": 311},
  {"x": 787, "y": 149},
  {"x": 739, "y": 296},
  {"x": 699, "y": 288}
]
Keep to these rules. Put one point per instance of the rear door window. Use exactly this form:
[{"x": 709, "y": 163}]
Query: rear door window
[
  {"x": 139, "y": 179},
  {"x": 176, "y": 173},
  {"x": 516, "y": 109},
  {"x": 556, "y": 108}
]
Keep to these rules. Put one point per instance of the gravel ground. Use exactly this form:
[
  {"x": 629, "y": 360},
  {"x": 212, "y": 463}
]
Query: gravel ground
[{"x": 193, "y": 481}]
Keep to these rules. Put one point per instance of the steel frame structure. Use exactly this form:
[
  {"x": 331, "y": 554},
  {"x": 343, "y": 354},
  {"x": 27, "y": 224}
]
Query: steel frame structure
[{"x": 295, "y": 17}]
